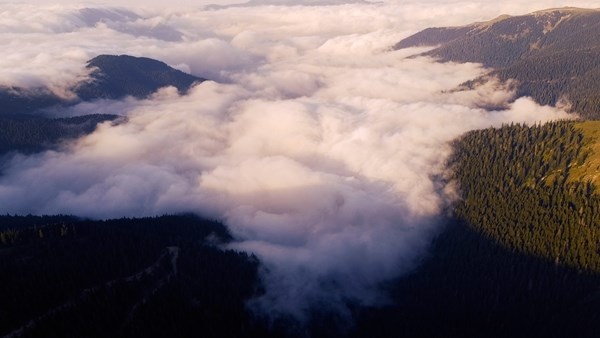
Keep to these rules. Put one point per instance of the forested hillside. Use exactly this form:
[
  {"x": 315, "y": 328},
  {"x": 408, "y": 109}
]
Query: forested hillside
[
  {"x": 471, "y": 286},
  {"x": 524, "y": 187},
  {"x": 553, "y": 54},
  {"x": 149, "y": 277},
  {"x": 522, "y": 257},
  {"x": 166, "y": 276}
]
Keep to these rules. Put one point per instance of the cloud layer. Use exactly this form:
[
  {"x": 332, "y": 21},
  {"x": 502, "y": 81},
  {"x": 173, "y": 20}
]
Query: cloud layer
[{"x": 320, "y": 148}]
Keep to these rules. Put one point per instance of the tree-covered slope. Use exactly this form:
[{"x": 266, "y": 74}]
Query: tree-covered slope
[
  {"x": 522, "y": 258},
  {"x": 589, "y": 170},
  {"x": 553, "y": 54},
  {"x": 527, "y": 188},
  {"x": 471, "y": 286},
  {"x": 149, "y": 277}
]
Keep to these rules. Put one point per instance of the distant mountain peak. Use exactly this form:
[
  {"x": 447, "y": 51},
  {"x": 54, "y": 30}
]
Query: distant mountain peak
[
  {"x": 111, "y": 77},
  {"x": 553, "y": 54},
  {"x": 117, "y": 76}
]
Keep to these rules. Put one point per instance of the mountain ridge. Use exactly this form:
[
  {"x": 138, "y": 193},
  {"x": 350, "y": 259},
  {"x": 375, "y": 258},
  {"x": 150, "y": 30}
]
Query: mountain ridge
[
  {"x": 117, "y": 76},
  {"x": 554, "y": 54},
  {"x": 111, "y": 77}
]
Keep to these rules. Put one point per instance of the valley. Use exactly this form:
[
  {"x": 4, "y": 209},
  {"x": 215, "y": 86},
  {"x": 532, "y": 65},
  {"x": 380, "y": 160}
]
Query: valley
[{"x": 250, "y": 171}]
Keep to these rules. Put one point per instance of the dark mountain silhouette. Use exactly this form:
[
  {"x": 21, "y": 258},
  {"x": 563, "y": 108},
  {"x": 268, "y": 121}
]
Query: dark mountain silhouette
[
  {"x": 24, "y": 130},
  {"x": 114, "y": 77},
  {"x": 146, "y": 277},
  {"x": 553, "y": 54}
]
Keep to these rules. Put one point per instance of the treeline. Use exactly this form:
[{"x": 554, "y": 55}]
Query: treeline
[{"x": 517, "y": 190}]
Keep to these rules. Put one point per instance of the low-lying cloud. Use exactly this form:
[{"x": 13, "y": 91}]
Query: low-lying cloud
[{"x": 319, "y": 147}]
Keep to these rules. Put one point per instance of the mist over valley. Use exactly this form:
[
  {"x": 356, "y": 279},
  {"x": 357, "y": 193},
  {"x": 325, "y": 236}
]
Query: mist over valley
[{"x": 299, "y": 169}]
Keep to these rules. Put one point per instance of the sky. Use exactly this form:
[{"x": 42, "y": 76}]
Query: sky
[
  {"x": 507, "y": 7},
  {"x": 322, "y": 149}
]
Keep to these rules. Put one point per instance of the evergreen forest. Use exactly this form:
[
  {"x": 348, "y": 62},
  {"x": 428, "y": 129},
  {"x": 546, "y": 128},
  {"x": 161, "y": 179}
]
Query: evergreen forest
[{"x": 521, "y": 187}]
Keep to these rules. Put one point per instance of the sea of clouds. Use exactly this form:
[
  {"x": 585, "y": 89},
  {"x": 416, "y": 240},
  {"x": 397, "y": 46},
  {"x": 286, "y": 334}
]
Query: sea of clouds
[{"x": 321, "y": 148}]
